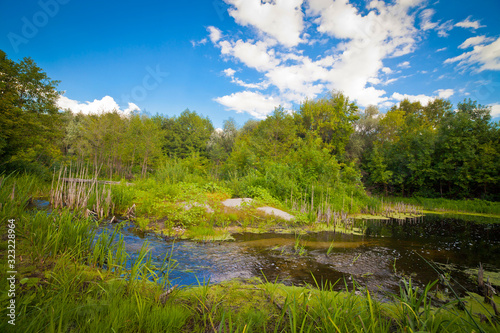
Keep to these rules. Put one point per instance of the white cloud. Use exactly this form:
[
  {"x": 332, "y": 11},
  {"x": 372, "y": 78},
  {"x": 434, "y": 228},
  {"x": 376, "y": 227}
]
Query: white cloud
[
  {"x": 486, "y": 56},
  {"x": 423, "y": 99},
  {"x": 214, "y": 34},
  {"x": 106, "y": 104},
  {"x": 404, "y": 64},
  {"x": 389, "y": 81},
  {"x": 301, "y": 80},
  {"x": 280, "y": 19},
  {"x": 445, "y": 93},
  {"x": 229, "y": 72},
  {"x": 200, "y": 42},
  {"x": 468, "y": 24},
  {"x": 442, "y": 49},
  {"x": 385, "y": 31},
  {"x": 354, "y": 66},
  {"x": 495, "y": 110},
  {"x": 444, "y": 27},
  {"x": 254, "y": 103},
  {"x": 254, "y": 55},
  {"x": 386, "y": 104},
  {"x": 427, "y": 24},
  {"x": 475, "y": 41},
  {"x": 426, "y": 18},
  {"x": 386, "y": 70}
]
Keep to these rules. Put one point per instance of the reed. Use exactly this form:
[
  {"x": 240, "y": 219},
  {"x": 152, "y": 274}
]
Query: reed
[{"x": 89, "y": 198}]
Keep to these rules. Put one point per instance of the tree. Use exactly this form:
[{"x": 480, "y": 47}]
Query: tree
[
  {"x": 221, "y": 142},
  {"x": 330, "y": 118},
  {"x": 187, "y": 134},
  {"x": 377, "y": 169},
  {"x": 465, "y": 149},
  {"x": 366, "y": 129},
  {"x": 30, "y": 122}
]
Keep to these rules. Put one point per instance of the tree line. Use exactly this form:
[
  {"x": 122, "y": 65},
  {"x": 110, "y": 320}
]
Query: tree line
[{"x": 329, "y": 143}]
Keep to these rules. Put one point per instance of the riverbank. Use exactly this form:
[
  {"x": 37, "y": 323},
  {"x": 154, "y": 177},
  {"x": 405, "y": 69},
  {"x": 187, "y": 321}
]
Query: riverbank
[{"x": 475, "y": 207}]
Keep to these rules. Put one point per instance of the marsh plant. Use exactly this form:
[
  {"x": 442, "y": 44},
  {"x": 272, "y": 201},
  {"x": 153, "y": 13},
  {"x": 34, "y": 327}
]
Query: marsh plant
[
  {"x": 298, "y": 247},
  {"x": 81, "y": 192}
]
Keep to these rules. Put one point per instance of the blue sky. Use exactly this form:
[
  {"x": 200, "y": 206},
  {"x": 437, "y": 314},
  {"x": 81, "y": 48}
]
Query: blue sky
[{"x": 240, "y": 59}]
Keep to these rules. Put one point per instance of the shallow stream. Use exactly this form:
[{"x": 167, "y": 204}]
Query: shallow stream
[{"x": 378, "y": 260}]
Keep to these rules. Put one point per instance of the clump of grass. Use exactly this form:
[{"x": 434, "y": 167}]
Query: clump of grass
[
  {"x": 298, "y": 247},
  {"x": 330, "y": 248}
]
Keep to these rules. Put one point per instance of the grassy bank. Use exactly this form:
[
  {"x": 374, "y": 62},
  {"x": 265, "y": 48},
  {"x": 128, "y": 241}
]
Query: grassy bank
[
  {"x": 69, "y": 281},
  {"x": 476, "y": 206}
]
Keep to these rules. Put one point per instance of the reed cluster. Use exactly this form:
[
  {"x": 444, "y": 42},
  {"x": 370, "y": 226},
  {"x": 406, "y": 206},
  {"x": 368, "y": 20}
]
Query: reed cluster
[{"x": 81, "y": 192}]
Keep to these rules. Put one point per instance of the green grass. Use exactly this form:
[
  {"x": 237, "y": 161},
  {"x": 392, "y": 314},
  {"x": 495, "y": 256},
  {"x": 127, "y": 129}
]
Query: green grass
[{"x": 470, "y": 206}]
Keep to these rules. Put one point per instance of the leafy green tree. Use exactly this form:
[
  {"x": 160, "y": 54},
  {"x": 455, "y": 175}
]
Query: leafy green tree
[
  {"x": 187, "y": 134},
  {"x": 30, "y": 122},
  {"x": 464, "y": 138},
  {"x": 263, "y": 142},
  {"x": 330, "y": 119},
  {"x": 378, "y": 170},
  {"x": 366, "y": 129},
  {"x": 221, "y": 142}
]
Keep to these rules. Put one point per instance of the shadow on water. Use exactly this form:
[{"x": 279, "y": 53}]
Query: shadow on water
[{"x": 378, "y": 259}]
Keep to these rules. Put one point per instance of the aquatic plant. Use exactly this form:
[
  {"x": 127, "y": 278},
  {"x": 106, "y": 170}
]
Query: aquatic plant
[{"x": 298, "y": 247}]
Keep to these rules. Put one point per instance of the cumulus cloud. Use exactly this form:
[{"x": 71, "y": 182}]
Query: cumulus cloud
[
  {"x": 495, "y": 110},
  {"x": 445, "y": 93},
  {"x": 98, "y": 106},
  {"x": 405, "y": 64},
  {"x": 214, "y": 34},
  {"x": 484, "y": 56},
  {"x": 280, "y": 19},
  {"x": 364, "y": 38},
  {"x": 257, "y": 55},
  {"x": 254, "y": 103},
  {"x": 468, "y": 24},
  {"x": 229, "y": 72}
]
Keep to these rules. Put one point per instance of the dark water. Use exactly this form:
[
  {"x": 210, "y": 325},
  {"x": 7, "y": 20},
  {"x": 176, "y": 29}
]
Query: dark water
[{"x": 377, "y": 260}]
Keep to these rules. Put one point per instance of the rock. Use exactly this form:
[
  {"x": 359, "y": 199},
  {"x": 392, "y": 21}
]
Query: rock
[
  {"x": 276, "y": 212},
  {"x": 236, "y": 202}
]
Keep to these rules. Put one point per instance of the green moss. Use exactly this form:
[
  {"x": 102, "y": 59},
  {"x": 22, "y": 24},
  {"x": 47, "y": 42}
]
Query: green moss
[{"x": 492, "y": 277}]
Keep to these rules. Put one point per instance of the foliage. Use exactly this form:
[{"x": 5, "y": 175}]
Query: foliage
[
  {"x": 434, "y": 151},
  {"x": 29, "y": 120},
  {"x": 187, "y": 134}
]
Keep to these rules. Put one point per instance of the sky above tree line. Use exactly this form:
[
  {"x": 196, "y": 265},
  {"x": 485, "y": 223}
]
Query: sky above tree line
[{"x": 243, "y": 58}]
